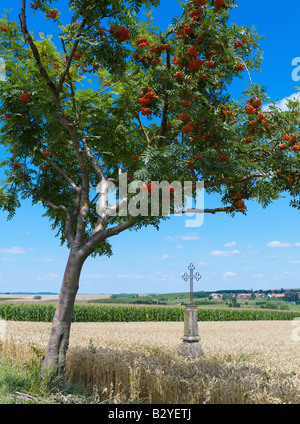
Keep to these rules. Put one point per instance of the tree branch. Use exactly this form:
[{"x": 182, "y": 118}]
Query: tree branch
[
  {"x": 246, "y": 70},
  {"x": 53, "y": 206},
  {"x": 64, "y": 174},
  {"x": 74, "y": 107},
  {"x": 232, "y": 180},
  {"x": 92, "y": 160},
  {"x": 144, "y": 131},
  {"x": 35, "y": 51},
  {"x": 69, "y": 59},
  {"x": 212, "y": 211},
  {"x": 91, "y": 245},
  {"x": 60, "y": 116},
  {"x": 164, "y": 120}
]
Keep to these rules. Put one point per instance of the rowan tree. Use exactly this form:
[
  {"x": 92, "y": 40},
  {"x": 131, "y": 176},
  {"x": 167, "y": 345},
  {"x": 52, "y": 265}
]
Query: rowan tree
[{"x": 162, "y": 111}]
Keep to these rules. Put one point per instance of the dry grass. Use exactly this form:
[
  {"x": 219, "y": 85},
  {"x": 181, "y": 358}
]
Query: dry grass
[
  {"x": 244, "y": 362},
  {"x": 24, "y": 298}
]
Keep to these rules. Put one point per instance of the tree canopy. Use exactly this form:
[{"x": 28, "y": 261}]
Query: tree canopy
[{"x": 161, "y": 110}]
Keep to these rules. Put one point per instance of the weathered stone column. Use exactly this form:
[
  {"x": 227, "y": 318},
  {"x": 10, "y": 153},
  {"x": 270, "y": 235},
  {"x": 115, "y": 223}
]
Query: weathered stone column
[{"x": 190, "y": 346}]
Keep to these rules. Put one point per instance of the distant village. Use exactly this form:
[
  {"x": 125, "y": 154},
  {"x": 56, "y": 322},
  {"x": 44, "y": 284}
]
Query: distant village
[{"x": 286, "y": 294}]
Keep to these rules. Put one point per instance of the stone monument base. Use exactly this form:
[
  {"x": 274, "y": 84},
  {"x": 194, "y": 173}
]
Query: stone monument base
[{"x": 190, "y": 350}]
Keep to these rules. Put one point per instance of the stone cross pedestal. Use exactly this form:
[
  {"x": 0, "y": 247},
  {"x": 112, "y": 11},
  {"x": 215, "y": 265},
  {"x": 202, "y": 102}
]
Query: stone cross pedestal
[{"x": 190, "y": 346}]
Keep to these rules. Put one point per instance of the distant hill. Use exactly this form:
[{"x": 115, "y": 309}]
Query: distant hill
[{"x": 29, "y": 293}]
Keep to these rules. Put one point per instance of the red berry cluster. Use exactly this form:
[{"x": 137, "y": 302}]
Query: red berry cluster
[
  {"x": 251, "y": 109},
  {"x": 238, "y": 203},
  {"x": 188, "y": 128},
  {"x": 120, "y": 34},
  {"x": 219, "y": 4},
  {"x": 238, "y": 44},
  {"x": 34, "y": 6},
  {"x": 153, "y": 54},
  {"x": 223, "y": 158},
  {"x": 186, "y": 103},
  {"x": 158, "y": 49},
  {"x": 176, "y": 61},
  {"x": 289, "y": 139},
  {"x": 150, "y": 187},
  {"x": 225, "y": 112},
  {"x": 282, "y": 146},
  {"x": 253, "y": 106},
  {"x": 183, "y": 117},
  {"x": 15, "y": 165},
  {"x": 143, "y": 42},
  {"x": 52, "y": 14},
  {"x": 195, "y": 14},
  {"x": 25, "y": 97},
  {"x": 240, "y": 67},
  {"x": 195, "y": 64},
  {"x": 187, "y": 30},
  {"x": 146, "y": 111},
  {"x": 77, "y": 55},
  {"x": 3, "y": 29},
  {"x": 178, "y": 75},
  {"x": 193, "y": 52},
  {"x": 146, "y": 99}
]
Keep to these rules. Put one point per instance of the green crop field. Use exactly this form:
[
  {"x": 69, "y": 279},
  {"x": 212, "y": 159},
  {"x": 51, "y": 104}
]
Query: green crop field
[{"x": 120, "y": 313}]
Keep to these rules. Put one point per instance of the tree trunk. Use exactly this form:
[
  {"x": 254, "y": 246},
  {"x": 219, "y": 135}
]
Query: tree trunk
[{"x": 54, "y": 362}]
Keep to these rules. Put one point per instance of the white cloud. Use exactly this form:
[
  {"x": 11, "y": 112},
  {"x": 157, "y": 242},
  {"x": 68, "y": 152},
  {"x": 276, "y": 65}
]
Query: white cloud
[
  {"x": 14, "y": 250},
  {"x": 135, "y": 276},
  {"x": 294, "y": 262},
  {"x": 282, "y": 104},
  {"x": 204, "y": 263},
  {"x": 48, "y": 260},
  {"x": 179, "y": 246},
  {"x": 287, "y": 272},
  {"x": 162, "y": 257},
  {"x": 230, "y": 244},
  {"x": 229, "y": 274},
  {"x": 188, "y": 236},
  {"x": 278, "y": 244},
  {"x": 97, "y": 276},
  {"x": 52, "y": 276},
  {"x": 224, "y": 253},
  {"x": 297, "y": 244},
  {"x": 258, "y": 275}
]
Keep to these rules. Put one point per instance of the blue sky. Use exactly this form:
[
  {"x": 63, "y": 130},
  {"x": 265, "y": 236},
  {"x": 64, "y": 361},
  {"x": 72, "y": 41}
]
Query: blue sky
[{"x": 260, "y": 250}]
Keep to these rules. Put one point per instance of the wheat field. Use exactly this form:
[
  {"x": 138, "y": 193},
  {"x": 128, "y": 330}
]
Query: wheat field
[{"x": 244, "y": 361}]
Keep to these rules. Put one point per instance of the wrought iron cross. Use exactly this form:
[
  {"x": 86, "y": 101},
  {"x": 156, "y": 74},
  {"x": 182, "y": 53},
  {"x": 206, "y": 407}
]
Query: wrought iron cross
[{"x": 197, "y": 276}]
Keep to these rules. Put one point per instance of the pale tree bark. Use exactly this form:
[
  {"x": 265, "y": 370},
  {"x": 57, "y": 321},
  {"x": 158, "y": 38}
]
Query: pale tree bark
[{"x": 55, "y": 358}]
